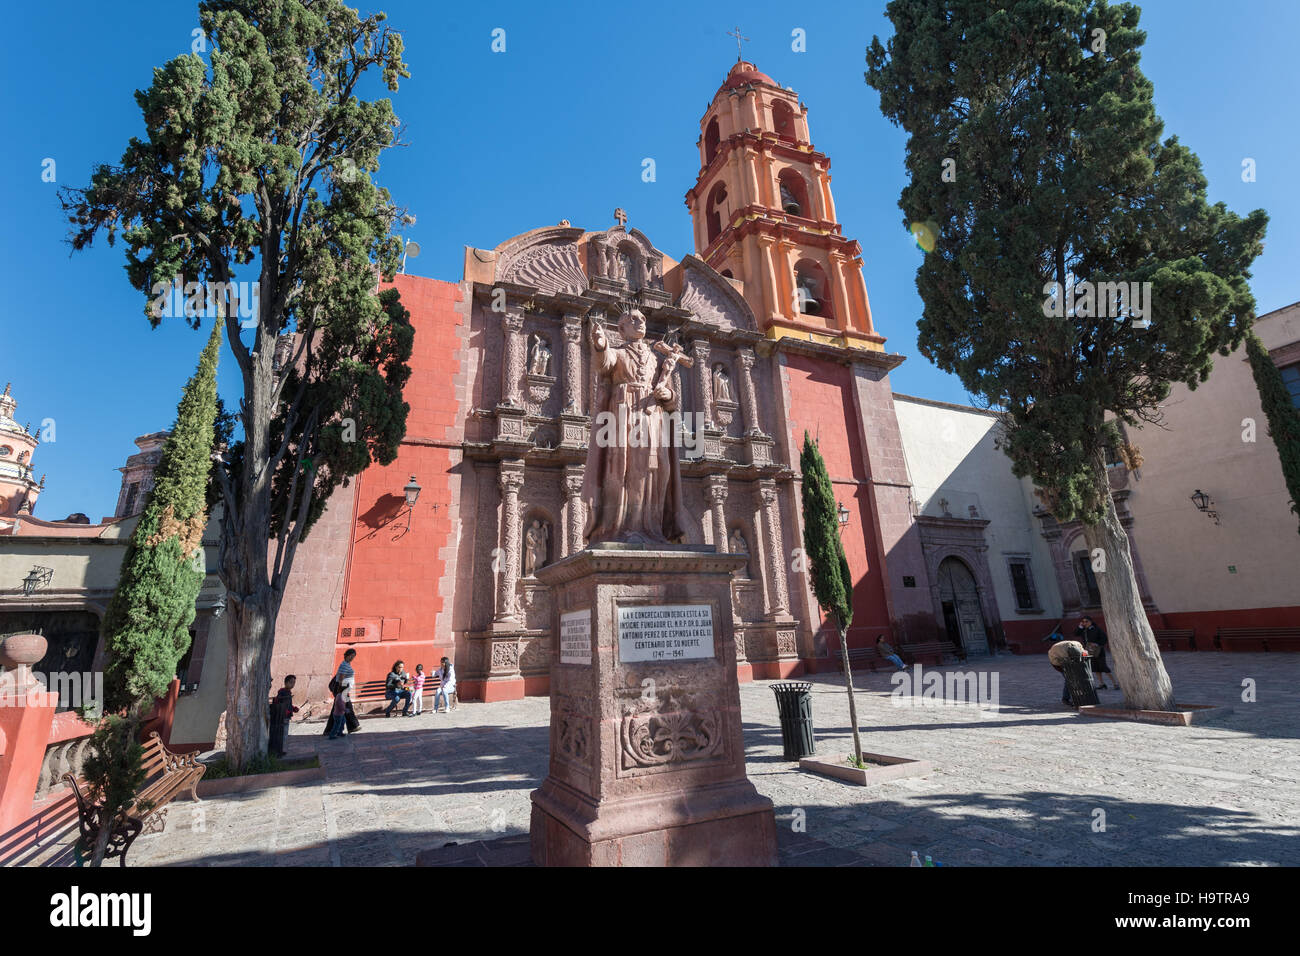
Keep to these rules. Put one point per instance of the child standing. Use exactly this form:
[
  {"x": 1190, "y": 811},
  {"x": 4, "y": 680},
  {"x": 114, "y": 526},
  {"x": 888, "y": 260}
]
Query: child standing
[
  {"x": 282, "y": 711},
  {"x": 418, "y": 683},
  {"x": 338, "y": 716}
]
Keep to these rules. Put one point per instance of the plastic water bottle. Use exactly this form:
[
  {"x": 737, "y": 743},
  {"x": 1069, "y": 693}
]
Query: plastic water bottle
[
  {"x": 916, "y": 860},
  {"x": 928, "y": 861}
]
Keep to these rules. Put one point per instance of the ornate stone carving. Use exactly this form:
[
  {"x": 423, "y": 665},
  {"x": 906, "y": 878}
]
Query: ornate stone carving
[
  {"x": 748, "y": 397},
  {"x": 573, "y": 502},
  {"x": 553, "y": 268},
  {"x": 505, "y": 655},
  {"x": 574, "y": 737},
  {"x": 512, "y": 366},
  {"x": 511, "y": 480},
  {"x": 572, "y": 364},
  {"x": 655, "y": 739},
  {"x": 776, "y": 554},
  {"x": 785, "y": 646}
]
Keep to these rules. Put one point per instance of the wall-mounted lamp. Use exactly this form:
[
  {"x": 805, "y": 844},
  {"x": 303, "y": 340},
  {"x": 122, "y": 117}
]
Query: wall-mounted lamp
[
  {"x": 412, "y": 492},
  {"x": 38, "y": 578},
  {"x": 1203, "y": 504},
  {"x": 843, "y": 513}
]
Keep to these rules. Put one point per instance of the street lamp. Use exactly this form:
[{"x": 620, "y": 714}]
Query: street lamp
[
  {"x": 412, "y": 492},
  {"x": 1203, "y": 502},
  {"x": 843, "y": 513},
  {"x": 39, "y": 577}
]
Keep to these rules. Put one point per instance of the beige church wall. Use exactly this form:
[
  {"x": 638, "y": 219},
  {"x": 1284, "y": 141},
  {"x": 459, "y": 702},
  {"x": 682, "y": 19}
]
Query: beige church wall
[
  {"x": 197, "y": 713},
  {"x": 1189, "y": 559},
  {"x": 951, "y": 456}
]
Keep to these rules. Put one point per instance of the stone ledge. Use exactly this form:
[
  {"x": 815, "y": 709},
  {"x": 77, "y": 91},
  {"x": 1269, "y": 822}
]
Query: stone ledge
[
  {"x": 259, "y": 781},
  {"x": 1182, "y": 717},
  {"x": 898, "y": 767}
]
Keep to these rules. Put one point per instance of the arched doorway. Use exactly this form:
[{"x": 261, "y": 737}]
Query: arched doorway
[{"x": 963, "y": 616}]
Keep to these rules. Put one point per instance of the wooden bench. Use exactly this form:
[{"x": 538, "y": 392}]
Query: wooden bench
[
  {"x": 931, "y": 652},
  {"x": 374, "y": 692},
  {"x": 1258, "y": 639},
  {"x": 1176, "y": 640},
  {"x": 860, "y": 657},
  {"x": 166, "y": 776}
]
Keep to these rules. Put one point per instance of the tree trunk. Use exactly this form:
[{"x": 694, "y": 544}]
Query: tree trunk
[
  {"x": 853, "y": 704},
  {"x": 256, "y": 600},
  {"x": 101, "y": 841},
  {"x": 1138, "y": 665},
  {"x": 248, "y": 678}
]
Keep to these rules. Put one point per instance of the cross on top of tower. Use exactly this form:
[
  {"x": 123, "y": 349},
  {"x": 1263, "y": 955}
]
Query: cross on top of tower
[
  {"x": 620, "y": 216},
  {"x": 736, "y": 33}
]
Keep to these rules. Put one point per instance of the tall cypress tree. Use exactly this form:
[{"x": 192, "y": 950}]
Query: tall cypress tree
[
  {"x": 146, "y": 628},
  {"x": 1283, "y": 417},
  {"x": 1077, "y": 267},
  {"x": 832, "y": 582}
]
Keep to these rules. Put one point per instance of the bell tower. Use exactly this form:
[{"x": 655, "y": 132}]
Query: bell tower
[{"x": 764, "y": 215}]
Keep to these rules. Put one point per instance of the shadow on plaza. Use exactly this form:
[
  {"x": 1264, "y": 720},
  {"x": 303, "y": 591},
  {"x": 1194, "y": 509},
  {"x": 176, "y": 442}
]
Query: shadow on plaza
[{"x": 1038, "y": 828}]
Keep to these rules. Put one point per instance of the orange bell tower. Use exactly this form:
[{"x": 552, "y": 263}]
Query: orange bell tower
[{"x": 764, "y": 215}]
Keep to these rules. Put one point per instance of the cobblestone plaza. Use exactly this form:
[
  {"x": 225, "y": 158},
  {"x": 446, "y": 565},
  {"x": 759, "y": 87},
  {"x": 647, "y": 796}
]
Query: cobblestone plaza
[{"x": 1022, "y": 786}]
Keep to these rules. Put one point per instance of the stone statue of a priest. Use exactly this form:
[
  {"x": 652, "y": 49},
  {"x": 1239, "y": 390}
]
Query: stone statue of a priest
[{"x": 632, "y": 487}]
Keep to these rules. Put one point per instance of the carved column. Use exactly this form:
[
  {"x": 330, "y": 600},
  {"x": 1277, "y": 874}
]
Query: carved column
[
  {"x": 573, "y": 502},
  {"x": 775, "y": 550},
  {"x": 573, "y": 364},
  {"x": 715, "y": 487},
  {"x": 511, "y": 479},
  {"x": 703, "y": 380},
  {"x": 512, "y": 366},
  {"x": 748, "y": 398}
]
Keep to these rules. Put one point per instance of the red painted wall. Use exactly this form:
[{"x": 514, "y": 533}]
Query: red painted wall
[
  {"x": 822, "y": 403},
  {"x": 395, "y": 562}
]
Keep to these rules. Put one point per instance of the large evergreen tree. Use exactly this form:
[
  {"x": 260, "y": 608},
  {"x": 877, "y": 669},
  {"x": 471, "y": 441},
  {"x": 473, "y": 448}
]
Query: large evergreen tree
[
  {"x": 261, "y": 157},
  {"x": 1283, "y": 417},
  {"x": 147, "y": 625},
  {"x": 1035, "y": 153},
  {"x": 832, "y": 583}
]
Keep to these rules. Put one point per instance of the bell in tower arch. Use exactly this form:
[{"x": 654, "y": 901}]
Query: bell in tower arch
[
  {"x": 806, "y": 291},
  {"x": 788, "y": 201}
]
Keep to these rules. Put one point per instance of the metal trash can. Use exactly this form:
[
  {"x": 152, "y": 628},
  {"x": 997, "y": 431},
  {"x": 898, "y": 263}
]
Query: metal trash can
[
  {"x": 794, "y": 704},
  {"x": 1078, "y": 678}
]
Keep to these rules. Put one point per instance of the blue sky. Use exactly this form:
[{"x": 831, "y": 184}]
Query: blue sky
[{"x": 556, "y": 127}]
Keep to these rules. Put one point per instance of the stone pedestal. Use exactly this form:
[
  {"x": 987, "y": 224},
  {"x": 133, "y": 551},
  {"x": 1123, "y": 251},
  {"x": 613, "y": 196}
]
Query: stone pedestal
[{"x": 647, "y": 760}]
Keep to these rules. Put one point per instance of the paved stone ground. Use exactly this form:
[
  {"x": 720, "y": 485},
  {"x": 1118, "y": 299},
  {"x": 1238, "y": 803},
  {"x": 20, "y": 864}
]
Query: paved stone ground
[{"x": 1022, "y": 786}]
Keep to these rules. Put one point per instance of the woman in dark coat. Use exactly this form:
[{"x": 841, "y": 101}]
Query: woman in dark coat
[{"x": 1089, "y": 633}]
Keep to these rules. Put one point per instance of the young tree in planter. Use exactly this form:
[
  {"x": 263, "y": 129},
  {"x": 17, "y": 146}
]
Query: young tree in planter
[
  {"x": 1283, "y": 417},
  {"x": 831, "y": 581},
  {"x": 147, "y": 625},
  {"x": 1035, "y": 156},
  {"x": 262, "y": 158}
]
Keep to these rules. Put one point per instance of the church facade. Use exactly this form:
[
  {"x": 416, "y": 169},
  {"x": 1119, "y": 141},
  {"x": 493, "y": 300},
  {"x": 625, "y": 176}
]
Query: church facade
[
  {"x": 771, "y": 308},
  {"x": 772, "y": 311}
]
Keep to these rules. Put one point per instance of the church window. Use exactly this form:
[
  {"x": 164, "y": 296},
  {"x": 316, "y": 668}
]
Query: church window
[
  {"x": 1022, "y": 582},
  {"x": 132, "y": 491},
  {"x": 5, "y": 451},
  {"x": 711, "y": 141},
  {"x": 1089, "y": 595}
]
